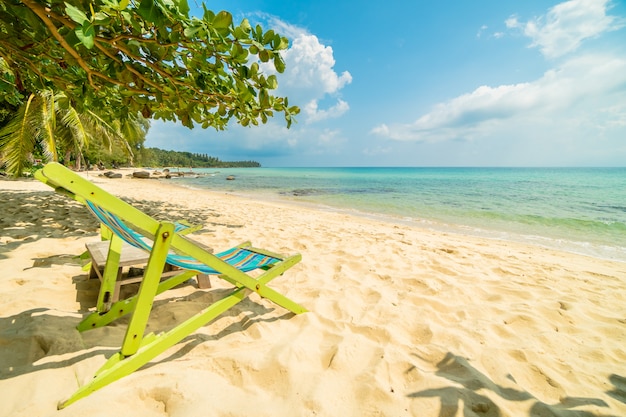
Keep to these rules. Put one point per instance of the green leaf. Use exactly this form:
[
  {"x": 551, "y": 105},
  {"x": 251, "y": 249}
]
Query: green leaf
[
  {"x": 245, "y": 26},
  {"x": 72, "y": 38},
  {"x": 183, "y": 6},
  {"x": 75, "y": 14},
  {"x": 268, "y": 36},
  {"x": 272, "y": 82},
  {"x": 280, "y": 43},
  {"x": 128, "y": 17},
  {"x": 208, "y": 14},
  {"x": 86, "y": 34},
  {"x": 264, "y": 99},
  {"x": 222, "y": 20},
  {"x": 258, "y": 33},
  {"x": 118, "y": 5},
  {"x": 279, "y": 64},
  {"x": 240, "y": 34},
  {"x": 149, "y": 11},
  {"x": 190, "y": 31}
]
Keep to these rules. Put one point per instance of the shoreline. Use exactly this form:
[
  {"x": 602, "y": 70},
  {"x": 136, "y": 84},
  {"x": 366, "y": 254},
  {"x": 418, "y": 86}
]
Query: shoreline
[
  {"x": 594, "y": 250},
  {"x": 426, "y": 225},
  {"x": 403, "y": 320}
]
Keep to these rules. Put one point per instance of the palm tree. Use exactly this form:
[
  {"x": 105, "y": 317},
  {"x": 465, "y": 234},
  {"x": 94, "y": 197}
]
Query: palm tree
[{"x": 47, "y": 120}]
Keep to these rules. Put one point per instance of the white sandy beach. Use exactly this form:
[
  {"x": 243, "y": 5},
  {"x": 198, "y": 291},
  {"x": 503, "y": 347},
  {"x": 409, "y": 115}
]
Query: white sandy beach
[{"x": 402, "y": 321}]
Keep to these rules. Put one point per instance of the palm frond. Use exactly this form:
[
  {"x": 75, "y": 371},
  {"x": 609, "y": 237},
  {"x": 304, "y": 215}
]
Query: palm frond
[
  {"x": 107, "y": 132},
  {"x": 48, "y": 125},
  {"x": 49, "y": 119},
  {"x": 116, "y": 133},
  {"x": 18, "y": 137}
]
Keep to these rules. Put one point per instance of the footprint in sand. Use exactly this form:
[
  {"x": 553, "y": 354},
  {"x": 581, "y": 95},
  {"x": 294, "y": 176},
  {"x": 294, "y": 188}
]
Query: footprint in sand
[
  {"x": 328, "y": 349},
  {"x": 166, "y": 399}
]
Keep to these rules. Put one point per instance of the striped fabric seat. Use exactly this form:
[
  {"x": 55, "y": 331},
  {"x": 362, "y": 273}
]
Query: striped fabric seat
[{"x": 241, "y": 258}]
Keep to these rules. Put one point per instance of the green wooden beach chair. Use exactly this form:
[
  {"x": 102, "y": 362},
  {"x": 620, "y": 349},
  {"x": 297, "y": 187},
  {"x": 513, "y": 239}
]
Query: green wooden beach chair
[{"x": 165, "y": 245}]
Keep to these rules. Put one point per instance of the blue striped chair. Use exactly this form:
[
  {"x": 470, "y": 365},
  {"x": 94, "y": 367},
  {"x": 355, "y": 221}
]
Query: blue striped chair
[{"x": 166, "y": 245}]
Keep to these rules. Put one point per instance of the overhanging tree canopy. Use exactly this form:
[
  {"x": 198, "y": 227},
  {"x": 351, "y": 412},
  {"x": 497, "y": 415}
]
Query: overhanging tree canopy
[{"x": 145, "y": 56}]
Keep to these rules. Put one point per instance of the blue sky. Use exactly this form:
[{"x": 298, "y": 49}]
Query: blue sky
[{"x": 447, "y": 83}]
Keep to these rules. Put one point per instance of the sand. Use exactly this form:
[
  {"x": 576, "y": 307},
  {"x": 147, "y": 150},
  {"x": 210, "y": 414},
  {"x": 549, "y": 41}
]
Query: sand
[{"x": 403, "y": 321}]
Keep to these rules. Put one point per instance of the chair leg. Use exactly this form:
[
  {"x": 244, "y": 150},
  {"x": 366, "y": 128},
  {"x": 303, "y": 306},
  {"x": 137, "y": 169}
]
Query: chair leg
[
  {"x": 280, "y": 299},
  {"x": 120, "y": 365},
  {"x": 126, "y": 306},
  {"x": 264, "y": 291},
  {"x": 93, "y": 270},
  {"x": 148, "y": 289},
  {"x": 110, "y": 275}
]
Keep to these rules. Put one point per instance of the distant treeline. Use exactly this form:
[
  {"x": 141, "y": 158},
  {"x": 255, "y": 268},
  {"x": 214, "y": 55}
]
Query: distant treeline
[{"x": 156, "y": 157}]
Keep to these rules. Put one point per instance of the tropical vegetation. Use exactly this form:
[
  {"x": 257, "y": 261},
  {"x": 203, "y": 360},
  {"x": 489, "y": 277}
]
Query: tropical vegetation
[
  {"x": 46, "y": 127},
  {"x": 81, "y": 76},
  {"x": 155, "y": 157}
]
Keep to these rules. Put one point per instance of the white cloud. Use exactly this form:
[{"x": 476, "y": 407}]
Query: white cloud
[
  {"x": 512, "y": 22},
  {"x": 314, "y": 114},
  {"x": 566, "y": 25},
  {"x": 483, "y": 30},
  {"x": 587, "y": 86},
  {"x": 310, "y": 66},
  {"x": 585, "y": 90},
  {"x": 310, "y": 77},
  {"x": 329, "y": 136}
]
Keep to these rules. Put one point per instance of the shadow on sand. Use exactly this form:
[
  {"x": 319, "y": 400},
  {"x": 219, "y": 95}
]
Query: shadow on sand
[
  {"x": 34, "y": 215},
  {"x": 619, "y": 391},
  {"x": 39, "y": 339},
  {"x": 472, "y": 383},
  {"x": 30, "y": 216}
]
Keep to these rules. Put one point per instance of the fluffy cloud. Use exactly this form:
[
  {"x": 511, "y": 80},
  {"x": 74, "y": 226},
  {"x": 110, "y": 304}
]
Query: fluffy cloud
[
  {"x": 566, "y": 25},
  {"x": 579, "y": 82},
  {"x": 310, "y": 77},
  {"x": 589, "y": 87},
  {"x": 311, "y": 67},
  {"x": 314, "y": 114}
]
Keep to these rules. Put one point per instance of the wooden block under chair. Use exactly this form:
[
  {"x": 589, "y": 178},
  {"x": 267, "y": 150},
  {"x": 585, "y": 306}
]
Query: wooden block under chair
[{"x": 129, "y": 257}]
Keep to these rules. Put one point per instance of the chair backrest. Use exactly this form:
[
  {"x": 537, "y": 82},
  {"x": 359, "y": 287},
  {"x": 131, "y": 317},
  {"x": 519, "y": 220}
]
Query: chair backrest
[
  {"x": 243, "y": 259},
  {"x": 118, "y": 226},
  {"x": 119, "y": 214}
]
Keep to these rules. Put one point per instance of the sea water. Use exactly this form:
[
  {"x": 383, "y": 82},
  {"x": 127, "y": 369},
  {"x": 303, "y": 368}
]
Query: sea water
[{"x": 580, "y": 210}]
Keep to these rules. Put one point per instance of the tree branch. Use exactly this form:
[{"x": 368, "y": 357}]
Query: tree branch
[{"x": 40, "y": 11}]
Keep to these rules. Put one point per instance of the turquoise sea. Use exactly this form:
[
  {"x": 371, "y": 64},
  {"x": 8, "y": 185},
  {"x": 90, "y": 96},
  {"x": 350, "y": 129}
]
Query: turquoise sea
[{"x": 581, "y": 210}]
